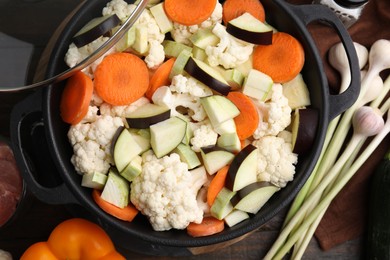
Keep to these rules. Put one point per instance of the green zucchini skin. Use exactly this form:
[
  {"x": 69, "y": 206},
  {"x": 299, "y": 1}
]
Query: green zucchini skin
[{"x": 378, "y": 229}]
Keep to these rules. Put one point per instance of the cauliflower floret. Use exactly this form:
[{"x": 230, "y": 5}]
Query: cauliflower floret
[
  {"x": 276, "y": 114},
  {"x": 92, "y": 115},
  {"x": 146, "y": 19},
  {"x": 76, "y": 55},
  {"x": 96, "y": 100},
  {"x": 276, "y": 161},
  {"x": 122, "y": 111},
  {"x": 119, "y": 7},
  {"x": 204, "y": 135},
  {"x": 182, "y": 33},
  {"x": 92, "y": 144},
  {"x": 190, "y": 85},
  {"x": 229, "y": 52},
  {"x": 178, "y": 102},
  {"x": 156, "y": 54},
  {"x": 166, "y": 194}
]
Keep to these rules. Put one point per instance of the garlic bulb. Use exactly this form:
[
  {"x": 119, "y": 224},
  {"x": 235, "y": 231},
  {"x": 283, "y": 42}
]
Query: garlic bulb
[{"x": 367, "y": 121}]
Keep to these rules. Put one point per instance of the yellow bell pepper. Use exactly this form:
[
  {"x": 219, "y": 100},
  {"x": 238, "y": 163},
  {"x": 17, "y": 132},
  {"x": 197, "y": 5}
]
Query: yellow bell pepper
[{"x": 74, "y": 239}]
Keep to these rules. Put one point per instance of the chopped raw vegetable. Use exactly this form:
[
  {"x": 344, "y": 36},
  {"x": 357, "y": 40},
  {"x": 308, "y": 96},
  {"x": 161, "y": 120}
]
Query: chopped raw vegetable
[
  {"x": 121, "y": 78},
  {"x": 282, "y": 60},
  {"x": 186, "y": 12},
  {"x": 75, "y": 98}
]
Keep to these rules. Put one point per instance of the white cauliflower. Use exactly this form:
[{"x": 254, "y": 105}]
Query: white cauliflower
[
  {"x": 276, "y": 114},
  {"x": 75, "y": 55},
  {"x": 122, "y": 111},
  {"x": 155, "y": 54},
  {"x": 230, "y": 51},
  {"x": 119, "y": 7},
  {"x": 182, "y": 33},
  {"x": 276, "y": 161},
  {"x": 204, "y": 136},
  {"x": 180, "y": 104},
  {"x": 166, "y": 192},
  {"x": 91, "y": 143},
  {"x": 189, "y": 85}
]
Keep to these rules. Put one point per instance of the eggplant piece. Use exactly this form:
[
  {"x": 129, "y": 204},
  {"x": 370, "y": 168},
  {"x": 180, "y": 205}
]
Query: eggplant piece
[
  {"x": 242, "y": 170},
  {"x": 166, "y": 135},
  {"x": 235, "y": 216},
  {"x": 215, "y": 157},
  {"x": 94, "y": 29},
  {"x": 147, "y": 115},
  {"x": 252, "y": 197},
  {"x": 247, "y": 28},
  {"x": 219, "y": 109},
  {"x": 125, "y": 149},
  {"x": 304, "y": 128},
  {"x": 207, "y": 75}
]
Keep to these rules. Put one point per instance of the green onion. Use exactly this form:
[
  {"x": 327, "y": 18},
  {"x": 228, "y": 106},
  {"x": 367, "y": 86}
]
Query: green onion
[{"x": 331, "y": 174}]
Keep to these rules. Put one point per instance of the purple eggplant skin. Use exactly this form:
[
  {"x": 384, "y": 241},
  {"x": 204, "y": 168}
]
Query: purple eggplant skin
[
  {"x": 95, "y": 32},
  {"x": 248, "y": 189},
  {"x": 115, "y": 138},
  {"x": 146, "y": 122},
  {"x": 259, "y": 38},
  {"x": 307, "y": 130},
  {"x": 212, "y": 148},
  {"x": 193, "y": 69},
  {"x": 235, "y": 165}
]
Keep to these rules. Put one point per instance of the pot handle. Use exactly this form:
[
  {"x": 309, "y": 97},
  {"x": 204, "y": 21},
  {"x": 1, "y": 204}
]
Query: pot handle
[
  {"x": 315, "y": 12},
  {"x": 28, "y": 141}
]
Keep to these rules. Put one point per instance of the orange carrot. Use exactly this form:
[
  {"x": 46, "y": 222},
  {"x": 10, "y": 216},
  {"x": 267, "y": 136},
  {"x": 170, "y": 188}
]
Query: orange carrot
[
  {"x": 216, "y": 185},
  {"x": 282, "y": 60},
  {"x": 127, "y": 213},
  {"x": 160, "y": 77},
  {"x": 248, "y": 119},
  {"x": 121, "y": 78},
  {"x": 189, "y": 12},
  {"x": 75, "y": 98},
  {"x": 235, "y": 8},
  {"x": 208, "y": 226}
]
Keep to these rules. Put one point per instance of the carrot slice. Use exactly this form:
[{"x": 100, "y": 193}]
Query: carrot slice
[
  {"x": 282, "y": 60},
  {"x": 160, "y": 77},
  {"x": 75, "y": 98},
  {"x": 207, "y": 227},
  {"x": 248, "y": 119},
  {"x": 189, "y": 12},
  {"x": 121, "y": 78},
  {"x": 127, "y": 213},
  {"x": 216, "y": 185},
  {"x": 235, "y": 8}
]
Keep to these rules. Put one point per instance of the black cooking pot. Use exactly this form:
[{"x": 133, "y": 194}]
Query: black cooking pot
[{"x": 43, "y": 151}]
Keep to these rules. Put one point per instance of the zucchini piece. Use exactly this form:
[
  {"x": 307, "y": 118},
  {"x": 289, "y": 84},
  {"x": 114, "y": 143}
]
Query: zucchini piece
[
  {"x": 94, "y": 180},
  {"x": 173, "y": 49},
  {"x": 163, "y": 22}
]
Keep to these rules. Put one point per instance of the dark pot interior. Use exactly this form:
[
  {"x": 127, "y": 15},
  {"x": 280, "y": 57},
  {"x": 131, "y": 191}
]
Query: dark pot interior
[{"x": 280, "y": 15}]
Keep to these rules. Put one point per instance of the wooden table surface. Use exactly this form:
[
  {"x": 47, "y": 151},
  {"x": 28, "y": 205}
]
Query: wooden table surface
[{"x": 34, "y": 22}]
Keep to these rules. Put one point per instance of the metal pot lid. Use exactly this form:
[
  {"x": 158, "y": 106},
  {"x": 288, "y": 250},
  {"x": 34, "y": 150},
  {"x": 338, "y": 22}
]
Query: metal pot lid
[{"x": 11, "y": 46}]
